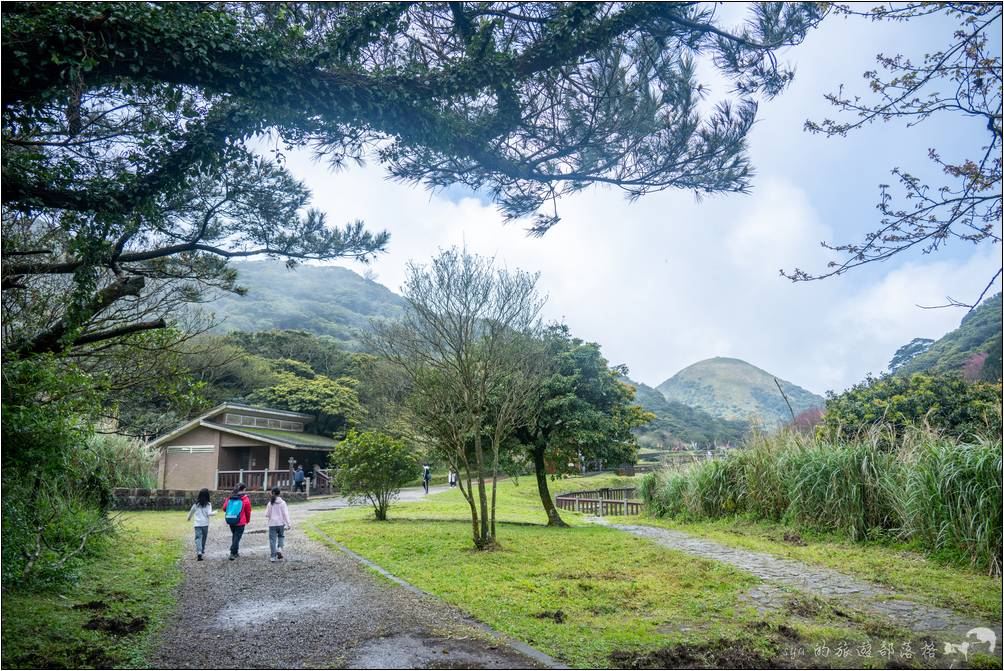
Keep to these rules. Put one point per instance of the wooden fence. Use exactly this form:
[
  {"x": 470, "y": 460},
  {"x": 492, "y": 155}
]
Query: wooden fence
[
  {"x": 266, "y": 479},
  {"x": 607, "y": 501}
]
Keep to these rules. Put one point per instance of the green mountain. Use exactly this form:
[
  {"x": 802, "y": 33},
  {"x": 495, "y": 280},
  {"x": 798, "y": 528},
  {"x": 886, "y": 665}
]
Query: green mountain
[
  {"x": 973, "y": 350},
  {"x": 325, "y": 300},
  {"x": 677, "y": 424},
  {"x": 735, "y": 390}
]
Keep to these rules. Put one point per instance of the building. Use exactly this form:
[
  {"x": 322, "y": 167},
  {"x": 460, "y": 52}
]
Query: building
[{"x": 241, "y": 443}]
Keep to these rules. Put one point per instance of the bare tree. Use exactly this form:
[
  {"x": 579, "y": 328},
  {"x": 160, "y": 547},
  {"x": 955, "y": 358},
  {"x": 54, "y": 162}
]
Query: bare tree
[
  {"x": 962, "y": 79},
  {"x": 467, "y": 345}
]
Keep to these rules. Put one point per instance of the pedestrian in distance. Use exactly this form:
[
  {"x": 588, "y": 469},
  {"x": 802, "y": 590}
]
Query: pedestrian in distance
[
  {"x": 277, "y": 518},
  {"x": 299, "y": 484},
  {"x": 201, "y": 510},
  {"x": 237, "y": 514},
  {"x": 426, "y": 477}
]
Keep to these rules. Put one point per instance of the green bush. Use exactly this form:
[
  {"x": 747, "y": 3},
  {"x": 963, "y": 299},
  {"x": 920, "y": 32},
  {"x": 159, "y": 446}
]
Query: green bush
[
  {"x": 940, "y": 492},
  {"x": 123, "y": 461},
  {"x": 944, "y": 403},
  {"x": 372, "y": 466}
]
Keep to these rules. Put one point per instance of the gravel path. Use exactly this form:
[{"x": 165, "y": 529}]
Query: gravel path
[
  {"x": 318, "y": 608},
  {"x": 814, "y": 580}
]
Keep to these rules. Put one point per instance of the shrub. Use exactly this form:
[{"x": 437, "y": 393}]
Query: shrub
[
  {"x": 123, "y": 461},
  {"x": 372, "y": 466},
  {"x": 944, "y": 403},
  {"x": 940, "y": 492}
]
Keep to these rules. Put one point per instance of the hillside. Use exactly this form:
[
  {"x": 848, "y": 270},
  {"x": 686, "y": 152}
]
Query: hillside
[
  {"x": 735, "y": 390},
  {"x": 973, "y": 350},
  {"x": 677, "y": 423},
  {"x": 326, "y": 300}
]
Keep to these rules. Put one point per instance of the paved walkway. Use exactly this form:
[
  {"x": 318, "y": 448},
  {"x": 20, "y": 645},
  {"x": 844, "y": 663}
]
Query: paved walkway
[
  {"x": 318, "y": 608},
  {"x": 814, "y": 580}
]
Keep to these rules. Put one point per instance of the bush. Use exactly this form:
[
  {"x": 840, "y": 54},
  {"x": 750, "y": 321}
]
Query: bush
[
  {"x": 123, "y": 461},
  {"x": 940, "y": 492},
  {"x": 373, "y": 466},
  {"x": 944, "y": 403}
]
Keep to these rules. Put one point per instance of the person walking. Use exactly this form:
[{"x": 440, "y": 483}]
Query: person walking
[
  {"x": 426, "y": 477},
  {"x": 298, "y": 479},
  {"x": 201, "y": 510},
  {"x": 452, "y": 478},
  {"x": 277, "y": 518},
  {"x": 237, "y": 514}
]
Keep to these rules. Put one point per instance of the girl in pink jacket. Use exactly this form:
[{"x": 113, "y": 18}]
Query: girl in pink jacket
[{"x": 277, "y": 518}]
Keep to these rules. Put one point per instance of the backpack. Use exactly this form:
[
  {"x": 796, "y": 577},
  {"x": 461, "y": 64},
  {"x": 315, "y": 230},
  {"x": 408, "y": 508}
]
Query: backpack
[{"x": 233, "y": 510}]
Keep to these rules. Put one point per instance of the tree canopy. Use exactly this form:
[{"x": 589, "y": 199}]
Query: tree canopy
[{"x": 128, "y": 178}]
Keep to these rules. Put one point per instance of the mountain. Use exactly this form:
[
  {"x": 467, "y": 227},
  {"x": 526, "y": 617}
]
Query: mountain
[
  {"x": 735, "y": 390},
  {"x": 326, "y": 300},
  {"x": 973, "y": 350},
  {"x": 676, "y": 423}
]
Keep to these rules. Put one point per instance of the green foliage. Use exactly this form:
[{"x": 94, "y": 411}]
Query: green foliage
[
  {"x": 944, "y": 403},
  {"x": 334, "y": 402},
  {"x": 979, "y": 333},
  {"x": 327, "y": 301},
  {"x": 941, "y": 493},
  {"x": 735, "y": 390},
  {"x": 677, "y": 424},
  {"x": 374, "y": 467},
  {"x": 127, "y": 462}
]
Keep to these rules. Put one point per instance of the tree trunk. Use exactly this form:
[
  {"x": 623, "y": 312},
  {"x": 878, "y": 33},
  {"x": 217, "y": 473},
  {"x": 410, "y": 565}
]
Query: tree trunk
[
  {"x": 553, "y": 519},
  {"x": 486, "y": 540}
]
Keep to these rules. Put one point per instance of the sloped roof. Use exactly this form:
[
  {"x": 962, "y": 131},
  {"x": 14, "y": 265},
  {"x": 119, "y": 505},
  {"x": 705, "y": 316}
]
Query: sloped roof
[{"x": 276, "y": 436}]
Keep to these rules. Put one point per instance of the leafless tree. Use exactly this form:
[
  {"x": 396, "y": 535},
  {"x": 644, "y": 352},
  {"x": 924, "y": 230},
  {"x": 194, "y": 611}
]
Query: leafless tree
[{"x": 467, "y": 345}]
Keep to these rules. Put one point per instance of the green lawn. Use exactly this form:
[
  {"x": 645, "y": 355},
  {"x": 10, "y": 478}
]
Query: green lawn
[
  {"x": 587, "y": 595},
  {"x": 108, "y": 618},
  {"x": 894, "y": 566}
]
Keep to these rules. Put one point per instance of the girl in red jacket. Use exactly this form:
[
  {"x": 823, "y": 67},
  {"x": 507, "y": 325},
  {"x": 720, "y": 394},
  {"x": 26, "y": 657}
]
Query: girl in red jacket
[{"x": 237, "y": 511}]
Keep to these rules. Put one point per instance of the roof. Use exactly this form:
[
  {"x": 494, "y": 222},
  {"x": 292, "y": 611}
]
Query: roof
[
  {"x": 223, "y": 407},
  {"x": 292, "y": 439}
]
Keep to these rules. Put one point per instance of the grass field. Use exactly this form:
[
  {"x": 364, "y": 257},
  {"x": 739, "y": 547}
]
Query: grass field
[
  {"x": 587, "y": 595},
  {"x": 895, "y": 566},
  {"x": 109, "y": 617}
]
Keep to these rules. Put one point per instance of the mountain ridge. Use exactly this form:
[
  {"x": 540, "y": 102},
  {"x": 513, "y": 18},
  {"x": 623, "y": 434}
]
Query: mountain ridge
[{"x": 736, "y": 390}]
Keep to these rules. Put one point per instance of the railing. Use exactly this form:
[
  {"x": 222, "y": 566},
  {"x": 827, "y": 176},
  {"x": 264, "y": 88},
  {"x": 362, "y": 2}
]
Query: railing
[
  {"x": 606, "y": 501},
  {"x": 322, "y": 481},
  {"x": 254, "y": 480}
]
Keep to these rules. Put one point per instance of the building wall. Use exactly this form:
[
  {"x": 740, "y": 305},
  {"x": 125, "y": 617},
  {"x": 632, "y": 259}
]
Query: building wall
[{"x": 192, "y": 468}]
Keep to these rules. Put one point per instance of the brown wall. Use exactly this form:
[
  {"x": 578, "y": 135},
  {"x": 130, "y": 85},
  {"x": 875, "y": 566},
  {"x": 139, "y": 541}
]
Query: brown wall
[{"x": 183, "y": 470}]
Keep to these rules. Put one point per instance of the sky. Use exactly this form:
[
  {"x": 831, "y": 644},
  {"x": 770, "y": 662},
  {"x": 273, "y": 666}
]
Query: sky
[{"x": 666, "y": 281}]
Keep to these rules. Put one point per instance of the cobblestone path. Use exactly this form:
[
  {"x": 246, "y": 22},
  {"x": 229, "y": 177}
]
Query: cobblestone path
[{"x": 814, "y": 580}]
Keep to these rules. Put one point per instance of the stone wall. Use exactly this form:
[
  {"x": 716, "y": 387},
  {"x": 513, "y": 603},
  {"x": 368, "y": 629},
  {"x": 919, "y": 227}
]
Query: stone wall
[{"x": 182, "y": 499}]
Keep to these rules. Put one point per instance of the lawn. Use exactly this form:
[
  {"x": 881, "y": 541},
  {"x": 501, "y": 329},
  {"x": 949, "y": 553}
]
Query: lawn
[
  {"x": 587, "y": 595},
  {"x": 897, "y": 567},
  {"x": 109, "y": 617}
]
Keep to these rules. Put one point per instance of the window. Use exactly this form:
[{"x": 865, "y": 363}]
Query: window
[{"x": 262, "y": 422}]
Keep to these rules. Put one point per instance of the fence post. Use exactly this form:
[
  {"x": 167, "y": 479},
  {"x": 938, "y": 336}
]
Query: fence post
[
  {"x": 216, "y": 485},
  {"x": 241, "y": 477},
  {"x": 264, "y": 484},
  {"x": 307, "y": 480}
]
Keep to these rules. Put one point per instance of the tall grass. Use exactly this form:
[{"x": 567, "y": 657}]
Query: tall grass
[{"x": 941, "y": 493}]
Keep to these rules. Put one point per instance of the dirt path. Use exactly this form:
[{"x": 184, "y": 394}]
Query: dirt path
[
  {"x": 318, "y": 608},
  {"x": 818, "y": 581}
]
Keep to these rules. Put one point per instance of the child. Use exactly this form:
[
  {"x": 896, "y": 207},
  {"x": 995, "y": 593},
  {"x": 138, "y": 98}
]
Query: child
[
  {"x": 277, "y": 518},
  {"x": 201, "y": 509},
  {"x": 237, "y": 512}
]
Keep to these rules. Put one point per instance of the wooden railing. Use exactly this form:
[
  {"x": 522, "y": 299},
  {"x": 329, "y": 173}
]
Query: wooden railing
[
  {"x": 607, "y": 501},
  {"x": 267, "y": 479}
]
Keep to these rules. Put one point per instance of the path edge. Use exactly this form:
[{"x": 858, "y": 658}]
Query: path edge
[{"x": 515, "y": 644}]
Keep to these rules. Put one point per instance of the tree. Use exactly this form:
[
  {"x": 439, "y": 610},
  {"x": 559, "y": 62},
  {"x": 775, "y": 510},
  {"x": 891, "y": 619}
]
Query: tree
[
  {"x": 584, "y": 410},
  {"x": 467, "y": 346},
  {"x": 126, "y": 167},
  {"x": 945, "y": 403},
  {"x": 907, "y": 352},
  {"x": 334, "y": 402},
  {"x": 961, "y": 79},
  {"x": 373, "y": 466}
]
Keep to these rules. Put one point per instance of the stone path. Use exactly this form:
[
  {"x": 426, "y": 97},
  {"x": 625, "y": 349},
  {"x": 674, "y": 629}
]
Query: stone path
[
  {"x": 813, "y": 580},
  {"x": 318, "y": 608}
]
